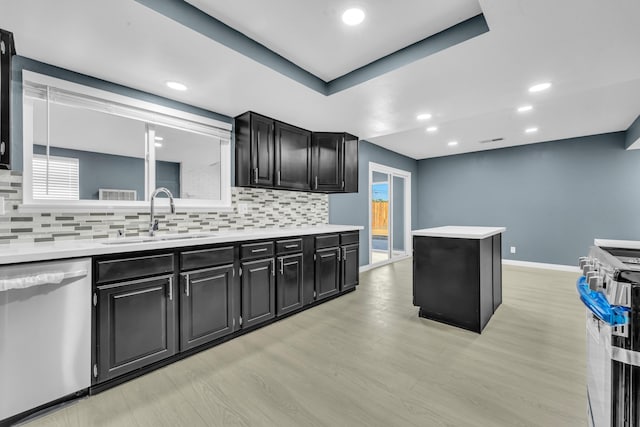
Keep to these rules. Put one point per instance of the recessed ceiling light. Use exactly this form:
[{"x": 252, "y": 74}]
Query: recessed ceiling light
[
  {"x": 157, "y": 144},
  {"x": 159, "y": 138},
  {"x": 432, "y": 128},
  {"x": 452, "y": 143},
  {"x": 531, "y": 130},
  {"x": 525, "y": 108},
  {"x": 176, "y": 86},
  {"x": 425, "y": 116},
  {"x": 540, "y": 87},
  {"x": 353, "y": 16}
]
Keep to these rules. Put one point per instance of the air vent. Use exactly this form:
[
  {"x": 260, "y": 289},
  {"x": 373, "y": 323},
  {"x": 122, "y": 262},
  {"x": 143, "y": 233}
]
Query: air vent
[
  {"x": 488, "y": 141},
  {"x": 114, "y": 194}
]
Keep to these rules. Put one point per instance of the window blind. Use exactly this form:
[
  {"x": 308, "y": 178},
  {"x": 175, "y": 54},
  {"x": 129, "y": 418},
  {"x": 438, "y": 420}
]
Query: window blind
[{"x": 64, "y": 178}]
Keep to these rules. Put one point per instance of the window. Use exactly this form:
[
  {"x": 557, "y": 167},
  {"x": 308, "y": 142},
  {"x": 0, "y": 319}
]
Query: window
[
  {"x": 55, "y": 178},
  {"x": 121, "y": 144}
]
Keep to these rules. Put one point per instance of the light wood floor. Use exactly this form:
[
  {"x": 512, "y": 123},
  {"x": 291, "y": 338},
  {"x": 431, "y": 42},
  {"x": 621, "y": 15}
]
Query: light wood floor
[{"x": 367, "y": 359}]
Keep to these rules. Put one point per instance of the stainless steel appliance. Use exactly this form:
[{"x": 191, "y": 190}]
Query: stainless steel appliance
[
  {"x": 7, "y": 50},
  {"x": 610, "y": 289},
  {"x": 45, "y": 334}
]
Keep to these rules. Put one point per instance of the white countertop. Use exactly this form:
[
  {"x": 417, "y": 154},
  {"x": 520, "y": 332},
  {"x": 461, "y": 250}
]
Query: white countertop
[
  {"x": 44, "y": 251},
  {"x": 623, "y": 244},
  {"x": 459, "y": 232}
]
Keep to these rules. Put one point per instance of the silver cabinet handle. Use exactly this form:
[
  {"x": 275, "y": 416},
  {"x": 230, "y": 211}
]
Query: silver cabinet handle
[
  {"x": 170, "y": 288},
  {"x": 316, "y": 187},
  {"x": 278, "y": 177},
  {"x": 255, "y": 251},
  {"x": 281, "y": 266},
  {"x": 291, "y": 246},
  {"x": 344, "y": 254},
  {"x": 187, "y": 285},
  {"x": 273, "y": 266},
  {"x": 255, "y": 175},
  {"x": 339, "y": 254}
]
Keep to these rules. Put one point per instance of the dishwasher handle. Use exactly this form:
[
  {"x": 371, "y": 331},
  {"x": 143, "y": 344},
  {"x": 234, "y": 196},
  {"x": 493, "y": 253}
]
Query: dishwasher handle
[
  {"x": 597, "y": 303},
  {"x": 43, "y": 278}
]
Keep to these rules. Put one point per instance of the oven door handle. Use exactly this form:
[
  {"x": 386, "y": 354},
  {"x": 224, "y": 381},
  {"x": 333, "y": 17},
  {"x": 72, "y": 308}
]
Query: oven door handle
[{"x": 597, "y": 303}]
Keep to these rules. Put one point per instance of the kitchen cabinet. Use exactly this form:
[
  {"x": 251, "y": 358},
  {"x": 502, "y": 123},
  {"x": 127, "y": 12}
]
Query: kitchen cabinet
[
  {"x": 135, "y": 313},
  {"x": 334, "y": 162},
  {"x": 258, "y": 283},
  {"x": 337, "y": 264},
  {"x": 289, "y": 277},
  {"x": 273, "y": 154},
  {"x": 350, "y": 260},
  {"x": 7, "y": 51},
  {"x": 206, "y": 295},
  {"x": 136, "y": 325},
  {"x": 292, "y": 157},
  {"x": 255, "y": 150}
]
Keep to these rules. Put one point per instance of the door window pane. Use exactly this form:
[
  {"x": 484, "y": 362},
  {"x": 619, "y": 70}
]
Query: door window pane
[{"x": 379, "y": 217}]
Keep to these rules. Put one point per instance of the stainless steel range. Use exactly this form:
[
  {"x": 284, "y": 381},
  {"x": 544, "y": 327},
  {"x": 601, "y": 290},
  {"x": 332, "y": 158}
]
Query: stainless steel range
[{"x": 610, "y": 289}]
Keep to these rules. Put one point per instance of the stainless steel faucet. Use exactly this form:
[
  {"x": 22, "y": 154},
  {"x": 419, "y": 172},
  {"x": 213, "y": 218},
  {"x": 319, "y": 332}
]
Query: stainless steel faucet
[{"x": 153, "y": 223}]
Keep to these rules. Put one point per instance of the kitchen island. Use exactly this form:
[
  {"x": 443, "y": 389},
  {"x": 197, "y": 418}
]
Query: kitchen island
[{"x": 457, "y": 274}]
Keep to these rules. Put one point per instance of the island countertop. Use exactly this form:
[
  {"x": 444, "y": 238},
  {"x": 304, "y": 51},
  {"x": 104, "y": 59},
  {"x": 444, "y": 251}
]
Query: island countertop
[
  {"x": 459, "y": 232},
  {"x": 44, "y": 251}
]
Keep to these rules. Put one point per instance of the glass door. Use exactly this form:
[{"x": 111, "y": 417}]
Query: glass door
[
  {"x": 380, "y": 231},
  {"x": 389, "y": 212}
]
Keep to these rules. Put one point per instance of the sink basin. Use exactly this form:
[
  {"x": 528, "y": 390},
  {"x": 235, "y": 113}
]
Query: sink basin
[{"x": 160, "y": 238}]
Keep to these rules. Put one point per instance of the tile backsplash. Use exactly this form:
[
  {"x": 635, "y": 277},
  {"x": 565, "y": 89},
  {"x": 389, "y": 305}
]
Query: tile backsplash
[{"x": 266, "y": 209}]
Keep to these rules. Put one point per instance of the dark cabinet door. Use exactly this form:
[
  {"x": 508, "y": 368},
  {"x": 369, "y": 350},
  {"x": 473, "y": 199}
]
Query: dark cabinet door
[
  {"x": 327, "y": 272},
  {"x": 6, "y": 52},
  {"x": 289, "y": 283},
  {"x": 136, "y": 325},
  {"x": 350, "y": 267},
  {"x": 292, "y": 157},
  {"x": 262, "y": 150},
  {"x": 258, "y": 291},
  {"x": 327, "y": 161},
  {"x": 350, "y": 164},
  {"x": 205, "y": 306}
]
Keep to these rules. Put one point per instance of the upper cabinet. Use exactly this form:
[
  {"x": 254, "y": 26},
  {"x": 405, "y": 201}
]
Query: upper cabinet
[
  {"x": 6, "y": 52},
  {"x": 274, "y": 154}
]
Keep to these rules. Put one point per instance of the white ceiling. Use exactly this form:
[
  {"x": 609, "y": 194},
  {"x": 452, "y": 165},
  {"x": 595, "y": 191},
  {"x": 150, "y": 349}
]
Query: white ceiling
[
  {"x": 312, "y": 35},
  {"x": 586, "y": 48}
]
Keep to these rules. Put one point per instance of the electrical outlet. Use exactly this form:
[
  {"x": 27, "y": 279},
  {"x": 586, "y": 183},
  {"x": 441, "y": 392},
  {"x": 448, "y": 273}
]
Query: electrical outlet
[
  {"x": 243, "y": 208},
  {"x": 513, "y": 249}
]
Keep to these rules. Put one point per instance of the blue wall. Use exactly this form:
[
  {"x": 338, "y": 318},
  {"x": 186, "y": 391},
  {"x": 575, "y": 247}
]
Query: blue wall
[
  {"x": 633, "y": 133},
  {"x": 99, "y": 170},
  {"x": 554, "y": 197},
  {"x": 353, "y": 208}
]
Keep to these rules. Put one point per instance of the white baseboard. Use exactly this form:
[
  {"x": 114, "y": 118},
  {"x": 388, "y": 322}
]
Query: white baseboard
[
  {"x": 381, "y": 264},
  {"x": 558, "y": 267}
]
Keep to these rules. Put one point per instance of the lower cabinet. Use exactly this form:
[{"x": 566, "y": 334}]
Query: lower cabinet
[
  {"x": 327, "y": 272},
  {"x": 136, "y": 325},
  {"x": 289, "y": 283},
  {"x": 206, "y": 301},
  {"x": 350, "y": 267},
  {"x": 258, "y": 291}
]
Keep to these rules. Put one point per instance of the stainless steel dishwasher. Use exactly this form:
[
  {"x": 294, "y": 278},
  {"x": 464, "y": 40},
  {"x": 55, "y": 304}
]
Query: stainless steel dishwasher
[{"x": 45, "y": 333}]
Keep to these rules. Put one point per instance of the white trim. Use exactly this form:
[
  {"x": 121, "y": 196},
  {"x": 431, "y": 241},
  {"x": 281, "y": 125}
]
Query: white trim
[
  {"x": 407, "y": 214},
  {"x": 45, "y": 80},
  {"x": 541, "y": 265},
  {"x": 383, "y": 263}
]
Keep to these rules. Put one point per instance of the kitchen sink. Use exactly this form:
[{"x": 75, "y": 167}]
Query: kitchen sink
[{"x": 160, "y": 238}]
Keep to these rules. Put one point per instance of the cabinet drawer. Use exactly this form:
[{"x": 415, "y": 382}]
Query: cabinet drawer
[
  {"x": 202, "y": 258},
  {"x": 349, "y": 238},
  {"x": 256, "y": 250},
  {"x": 327, "y": 241},
  {"x": 288, "y": 246},
  {"x": 129, "y": 268}
]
